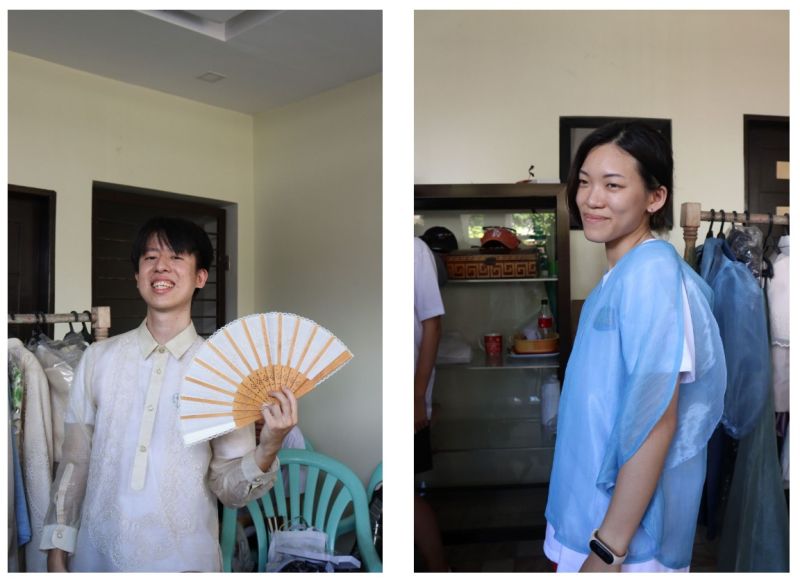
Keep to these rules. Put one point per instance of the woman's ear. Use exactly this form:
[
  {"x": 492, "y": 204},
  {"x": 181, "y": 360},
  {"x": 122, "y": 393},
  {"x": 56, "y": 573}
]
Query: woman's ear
[{"x": 658, "y": 198}]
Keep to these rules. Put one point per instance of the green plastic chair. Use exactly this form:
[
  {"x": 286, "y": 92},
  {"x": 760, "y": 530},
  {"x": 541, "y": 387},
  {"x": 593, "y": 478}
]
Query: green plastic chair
[
  {"x": 322, "y": 507},
  {"x": 349, "y": 524}
]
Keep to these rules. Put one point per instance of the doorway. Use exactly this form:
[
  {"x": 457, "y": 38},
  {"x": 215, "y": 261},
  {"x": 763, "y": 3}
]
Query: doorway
[
  {"x": 31, "y": 255},
  {"x": 766, "y": 164},
  {"x": 117, "y": 214}
]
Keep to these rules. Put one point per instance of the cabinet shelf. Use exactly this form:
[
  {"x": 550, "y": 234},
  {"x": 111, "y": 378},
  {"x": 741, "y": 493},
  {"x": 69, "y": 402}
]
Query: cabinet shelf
[
  {"x": 499, "y": 280},
  {"x": 476, "y": 449},
  {"x": 549, "y": 362}
]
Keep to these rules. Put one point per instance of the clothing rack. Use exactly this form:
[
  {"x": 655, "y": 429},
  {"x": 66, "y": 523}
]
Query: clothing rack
[
  {"x": 692, "y": 215},
  {"x": 99, "y": 317}
]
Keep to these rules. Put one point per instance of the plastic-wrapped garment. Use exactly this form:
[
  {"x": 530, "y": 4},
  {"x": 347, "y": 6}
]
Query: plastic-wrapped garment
[
  {"x": 619, "y": 381},
  {"x": 741, "y": 315},
  {"x": 745, "y": 243},
  {"x": 755, "y": 532},
  {"x": 778, "y": 301},
  {"x": 59, "y": 360},
  {"x": 70, "y": 349}
]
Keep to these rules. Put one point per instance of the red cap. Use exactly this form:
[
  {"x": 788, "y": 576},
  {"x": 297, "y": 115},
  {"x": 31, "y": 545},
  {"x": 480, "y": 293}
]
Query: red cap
[{"x": 499, "y": 234}]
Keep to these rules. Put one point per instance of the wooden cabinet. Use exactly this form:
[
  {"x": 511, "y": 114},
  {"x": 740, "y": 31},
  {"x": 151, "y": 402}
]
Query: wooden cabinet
[{"x": 487, "y": 428}]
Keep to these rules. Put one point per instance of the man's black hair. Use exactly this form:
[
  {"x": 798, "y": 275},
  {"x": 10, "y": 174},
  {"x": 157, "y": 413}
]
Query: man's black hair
[{"x": 181, "y": 235}]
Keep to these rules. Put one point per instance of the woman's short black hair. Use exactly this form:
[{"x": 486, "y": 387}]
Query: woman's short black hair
[
  {"x": 181, "y": 235},
  {"x": 650, "y": 149}
]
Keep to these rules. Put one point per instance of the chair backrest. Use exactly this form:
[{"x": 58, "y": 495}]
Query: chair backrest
[
  {"x": 330, "y": 488},
  {"x": 374, "y": 480}
]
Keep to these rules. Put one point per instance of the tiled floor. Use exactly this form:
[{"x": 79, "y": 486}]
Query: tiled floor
[{"x": 502, "y": 531}]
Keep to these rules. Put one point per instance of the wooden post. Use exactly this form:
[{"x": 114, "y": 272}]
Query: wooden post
[
  {"x": 101, "y": 322},
  {"x": 690, "y": 222}
]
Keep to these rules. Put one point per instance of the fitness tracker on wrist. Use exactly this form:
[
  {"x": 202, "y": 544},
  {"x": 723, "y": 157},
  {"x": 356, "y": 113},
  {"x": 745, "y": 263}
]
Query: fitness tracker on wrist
[{"x": 603, "y": 551}]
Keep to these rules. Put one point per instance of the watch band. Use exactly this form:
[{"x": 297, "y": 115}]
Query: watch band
[{"x": 603, "y": 551}]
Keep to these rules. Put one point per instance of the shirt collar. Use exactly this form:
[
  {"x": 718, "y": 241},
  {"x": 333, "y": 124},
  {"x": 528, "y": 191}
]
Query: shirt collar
[{"x": 177, "y": 346}]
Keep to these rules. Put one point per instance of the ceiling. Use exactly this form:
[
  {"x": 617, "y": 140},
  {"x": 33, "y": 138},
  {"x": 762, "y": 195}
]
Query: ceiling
[{"x": 268, "y": 58}]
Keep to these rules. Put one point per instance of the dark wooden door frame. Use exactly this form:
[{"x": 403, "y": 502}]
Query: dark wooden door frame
[
  {"x": 749, "y": 120},
  {"x": 50, "y": 260}
]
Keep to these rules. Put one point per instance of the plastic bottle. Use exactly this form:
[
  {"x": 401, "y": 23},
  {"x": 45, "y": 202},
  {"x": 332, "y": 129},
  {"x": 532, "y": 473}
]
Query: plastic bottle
[
  {"x": 550, "y": 395},
  {"x": 545, "y": 321},
  {"x": 544, "y": 265}
]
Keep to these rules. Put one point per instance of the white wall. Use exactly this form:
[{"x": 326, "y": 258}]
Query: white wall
[
  {"x": 309, "y": 232},
  {"x": 490, "y": 87},
  {"x": 68, "y": 128},
  {"x": 318, "y": 239}
]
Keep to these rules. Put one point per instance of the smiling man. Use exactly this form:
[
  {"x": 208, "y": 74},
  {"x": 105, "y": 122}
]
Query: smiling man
[{"x": 128, "y": 496}]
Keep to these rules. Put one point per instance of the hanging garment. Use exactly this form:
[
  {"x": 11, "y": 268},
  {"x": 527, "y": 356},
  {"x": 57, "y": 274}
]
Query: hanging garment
[
  {"x": 721, "y": 459},
  {"x": 59, "y": 359},
  {"x": 745, "y": 244},
  {"x": 37, "y": 449},
  {"x": 785, "y": 459},
  {"x": 619, "y": 381},
  {"x": 755, "y": 532},
  {"x": 741, "y": 315},
  {"x": 13, "y": 544},
  {"x": 778, "y": 301},
  {"x": 19, "y": 528}
]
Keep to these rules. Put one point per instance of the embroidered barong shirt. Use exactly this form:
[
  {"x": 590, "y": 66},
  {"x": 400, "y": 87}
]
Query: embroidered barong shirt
[
  {"x": 128, "y": 495},
  {"x": 620, "y": 378}
]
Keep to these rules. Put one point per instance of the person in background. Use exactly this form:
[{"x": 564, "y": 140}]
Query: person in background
[
  {"x": 428, "y": 311},
  {"x": 645, "y": 383},
  {"x": 128, "y": 495}
]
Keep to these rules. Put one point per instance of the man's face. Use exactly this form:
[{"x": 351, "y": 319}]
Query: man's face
[{"x": 167, "y": 280}]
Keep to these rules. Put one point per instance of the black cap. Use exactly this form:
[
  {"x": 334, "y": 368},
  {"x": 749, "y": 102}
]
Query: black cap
[{"x": 440, "y": 239}]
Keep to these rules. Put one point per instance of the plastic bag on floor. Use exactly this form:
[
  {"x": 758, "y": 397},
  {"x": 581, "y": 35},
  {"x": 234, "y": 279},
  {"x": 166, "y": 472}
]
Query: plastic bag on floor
[{"x": 303, "y": 549}]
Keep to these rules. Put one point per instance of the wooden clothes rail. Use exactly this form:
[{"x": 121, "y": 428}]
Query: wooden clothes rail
[
  {"x": 99, "y": 317},
  {"x": 692, "y": 215}
]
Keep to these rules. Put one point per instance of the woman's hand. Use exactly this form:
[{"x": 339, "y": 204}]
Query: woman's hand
[{"x": 594, "y": 564}]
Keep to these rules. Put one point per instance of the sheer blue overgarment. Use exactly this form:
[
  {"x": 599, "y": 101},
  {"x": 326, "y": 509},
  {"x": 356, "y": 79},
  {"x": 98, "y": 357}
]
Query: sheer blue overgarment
[
  {"x": 619, "y": 381},
  {"x": 742, "y": 318}
]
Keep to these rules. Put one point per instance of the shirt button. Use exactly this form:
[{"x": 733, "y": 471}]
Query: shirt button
[
  {"x": 143, "y": 448},
  {"x": 161, "y": 349},
  {"x": 150, "y": 408},
  {"x": 59, "y": 534},
  {"x": 158, "y": 371}
]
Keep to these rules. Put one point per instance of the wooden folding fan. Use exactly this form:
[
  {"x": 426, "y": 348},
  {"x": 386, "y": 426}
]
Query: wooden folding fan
[{"x": 230, "y": 378}]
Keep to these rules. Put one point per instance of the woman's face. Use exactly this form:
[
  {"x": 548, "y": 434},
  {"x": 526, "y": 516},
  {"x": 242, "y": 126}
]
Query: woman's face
[{"x": 612, "y": 198}]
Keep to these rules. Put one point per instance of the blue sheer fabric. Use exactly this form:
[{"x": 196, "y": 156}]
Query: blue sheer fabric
[
  {"x": 742, "y": 318},
  {"x": 619, "y": 381}
]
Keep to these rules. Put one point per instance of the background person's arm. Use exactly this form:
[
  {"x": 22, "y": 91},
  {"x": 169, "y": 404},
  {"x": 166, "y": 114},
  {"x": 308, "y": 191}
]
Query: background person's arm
[{"x": 429, "y": 346}]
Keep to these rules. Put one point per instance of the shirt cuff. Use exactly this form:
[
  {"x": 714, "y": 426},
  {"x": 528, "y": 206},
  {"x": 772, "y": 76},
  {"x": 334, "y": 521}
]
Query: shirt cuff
[
  {"x": 254, "y": 474},
  {"x": 59, "y": 537}
]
